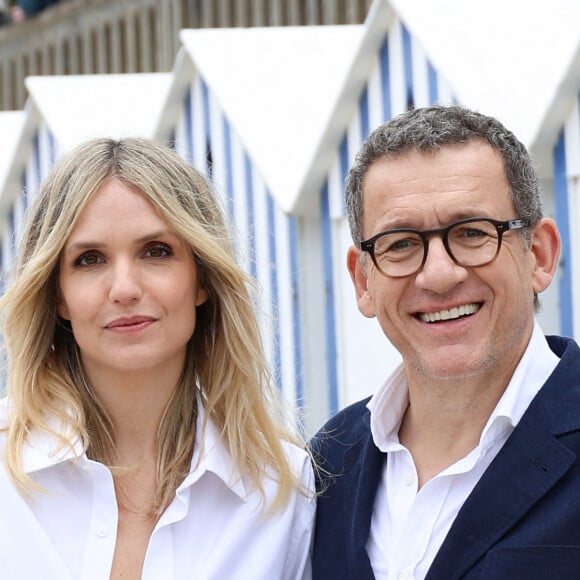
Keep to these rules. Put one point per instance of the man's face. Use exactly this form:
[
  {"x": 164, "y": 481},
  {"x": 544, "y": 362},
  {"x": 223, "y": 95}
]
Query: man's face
[{"x": 427, "y": 191}]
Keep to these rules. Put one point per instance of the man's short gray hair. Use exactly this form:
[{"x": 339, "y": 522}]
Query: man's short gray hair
[{"x": 428, "y": 130}]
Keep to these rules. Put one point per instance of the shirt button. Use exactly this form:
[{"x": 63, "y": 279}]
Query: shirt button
[
  {"x": 402, "y": 576},
  {"x": 409, "y": 480},
  {"x": 102, "y": 532}
]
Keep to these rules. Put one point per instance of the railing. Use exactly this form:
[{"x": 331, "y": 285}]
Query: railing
[{"x": 127, "y": 36}]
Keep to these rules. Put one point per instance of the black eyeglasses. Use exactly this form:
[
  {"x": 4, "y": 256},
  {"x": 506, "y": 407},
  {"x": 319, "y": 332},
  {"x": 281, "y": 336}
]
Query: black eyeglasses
[{"x": 469, "y": 242}]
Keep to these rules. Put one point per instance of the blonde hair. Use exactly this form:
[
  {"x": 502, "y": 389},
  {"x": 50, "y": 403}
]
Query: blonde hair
[{"x": 224, "y": 364}]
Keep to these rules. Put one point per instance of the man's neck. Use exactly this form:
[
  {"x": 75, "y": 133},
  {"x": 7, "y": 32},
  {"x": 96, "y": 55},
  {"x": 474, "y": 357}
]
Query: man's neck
[{"x": 445, "y": 419}]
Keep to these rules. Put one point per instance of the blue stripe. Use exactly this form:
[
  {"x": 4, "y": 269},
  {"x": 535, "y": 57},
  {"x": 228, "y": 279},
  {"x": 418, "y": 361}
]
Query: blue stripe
[
  {"x": 433, "y": 90},
  {"x": 294, "y": 271},
  {"x": 561, "y": 195},
  {"x": 188, "y": 111},
  {"x": 11, "y": 234},
  {"x": 274, "y": 286},
  {"x": 22, "y": 201},
  {"x": 327, "y": 260},
  {"x": 24, "y": 191},
  {"x": 51, "y": 148},
  {"x": 229, "y": 167},
  {"x": 364, "y": 112},
  {"x": 343, "y": 167},
  {"x": 408, "y": 62},
  {"x": 206, "y": 128},
  {"x": 37, "y": 164},
  {"x": 385, "y": 79},
  {"x": 251, "y": 215}
]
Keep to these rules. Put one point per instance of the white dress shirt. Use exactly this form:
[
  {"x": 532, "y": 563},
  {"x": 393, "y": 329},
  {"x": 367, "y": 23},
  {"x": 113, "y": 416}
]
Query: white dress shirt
[
  {"x": 409, "y": 527},
  {"x": 214, "y": 529}
]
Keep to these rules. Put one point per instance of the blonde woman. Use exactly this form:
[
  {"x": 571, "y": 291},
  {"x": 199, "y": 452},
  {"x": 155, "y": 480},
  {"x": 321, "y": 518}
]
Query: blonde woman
[{"x": 141, "y": 437}]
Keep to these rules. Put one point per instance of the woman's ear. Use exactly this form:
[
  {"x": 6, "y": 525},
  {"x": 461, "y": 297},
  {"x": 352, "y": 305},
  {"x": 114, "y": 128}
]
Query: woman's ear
[
  {"x": 62, "y": 309},
  {"x": 201, "y": 296}
]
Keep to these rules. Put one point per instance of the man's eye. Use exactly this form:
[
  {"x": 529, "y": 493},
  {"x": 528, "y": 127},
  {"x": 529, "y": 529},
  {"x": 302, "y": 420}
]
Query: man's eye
[
  {"x": 473, "y": 233},
  {"x": 402, "y": 245}
]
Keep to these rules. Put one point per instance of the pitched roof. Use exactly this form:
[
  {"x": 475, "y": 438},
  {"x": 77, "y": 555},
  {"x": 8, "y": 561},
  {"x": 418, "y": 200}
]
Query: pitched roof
[
  {"x": 518, "y": 60},
  {"x": 279, "y": 88},
  {"x": 289, "y": 92},
  {"x": 78, "y": 107}
]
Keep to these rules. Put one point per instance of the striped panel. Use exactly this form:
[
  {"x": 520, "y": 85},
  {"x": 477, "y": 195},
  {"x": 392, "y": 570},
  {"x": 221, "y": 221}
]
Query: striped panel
[
  {"x": 566, "y": 169},
  {"x": 42, "y": 157},
  {"x": 264, "y": 235},
  {"x": 561, "y": 207}
]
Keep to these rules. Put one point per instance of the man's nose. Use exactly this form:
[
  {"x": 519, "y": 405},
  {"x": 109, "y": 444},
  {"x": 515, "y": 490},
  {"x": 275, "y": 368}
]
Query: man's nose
[{"x": 439, "y": 272}]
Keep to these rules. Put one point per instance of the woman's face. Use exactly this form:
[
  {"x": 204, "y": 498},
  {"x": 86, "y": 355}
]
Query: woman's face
[{"x": 129, "y": 286}]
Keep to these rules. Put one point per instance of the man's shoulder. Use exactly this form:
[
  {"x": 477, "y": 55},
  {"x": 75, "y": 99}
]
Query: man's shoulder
[
  {"x": 565, "y": 378},
  {"x": 348, "y": 422},
  {"x": 341, "y": 432}
]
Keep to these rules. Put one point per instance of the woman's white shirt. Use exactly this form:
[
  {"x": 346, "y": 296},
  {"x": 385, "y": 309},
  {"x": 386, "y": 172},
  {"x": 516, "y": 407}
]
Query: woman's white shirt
[{"x": 216, "y": 527}]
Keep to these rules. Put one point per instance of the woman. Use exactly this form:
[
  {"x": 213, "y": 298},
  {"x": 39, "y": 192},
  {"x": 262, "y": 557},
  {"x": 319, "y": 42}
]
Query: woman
[{"x": 141, "y": 436}]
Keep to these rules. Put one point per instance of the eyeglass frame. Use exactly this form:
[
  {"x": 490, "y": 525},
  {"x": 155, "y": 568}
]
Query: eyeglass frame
[{"x": 501, "y": 226}]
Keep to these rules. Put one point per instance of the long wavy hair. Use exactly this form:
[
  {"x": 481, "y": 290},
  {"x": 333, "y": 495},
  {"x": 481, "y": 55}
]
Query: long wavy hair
[{"x": 225, "y": 366}]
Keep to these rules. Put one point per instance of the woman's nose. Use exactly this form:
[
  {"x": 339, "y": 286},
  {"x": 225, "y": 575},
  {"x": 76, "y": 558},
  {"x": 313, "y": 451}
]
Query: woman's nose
[{"x": 125, "y": 284}]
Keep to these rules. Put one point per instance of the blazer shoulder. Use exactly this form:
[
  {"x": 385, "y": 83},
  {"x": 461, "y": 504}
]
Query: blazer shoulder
[
  {"x": 340, "y": 433},
  {"x": 347, "y": 425}
]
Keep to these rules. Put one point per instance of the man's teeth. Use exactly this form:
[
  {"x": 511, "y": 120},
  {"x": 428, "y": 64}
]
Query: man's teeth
[{"x": 450, "y": 314}]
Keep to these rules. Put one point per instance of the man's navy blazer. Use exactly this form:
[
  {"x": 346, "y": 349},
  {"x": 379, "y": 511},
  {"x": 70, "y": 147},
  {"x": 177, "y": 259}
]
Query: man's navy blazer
[{"x": 522, "y": 520}]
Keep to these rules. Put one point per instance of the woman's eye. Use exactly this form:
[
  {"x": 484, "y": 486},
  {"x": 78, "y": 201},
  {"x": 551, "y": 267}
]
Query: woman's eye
[
  {"x": 88, "y": 259},
  {"x": 158, "y": 251}
]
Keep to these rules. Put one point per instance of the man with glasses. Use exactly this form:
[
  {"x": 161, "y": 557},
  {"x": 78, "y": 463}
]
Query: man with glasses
[{"x": 463, "y": 464}]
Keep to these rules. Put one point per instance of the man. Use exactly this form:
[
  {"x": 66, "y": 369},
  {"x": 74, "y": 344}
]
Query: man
[{"x": 463, "y": 465}]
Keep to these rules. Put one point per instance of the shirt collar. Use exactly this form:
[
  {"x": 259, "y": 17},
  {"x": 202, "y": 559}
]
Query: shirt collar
[
  {"x": 387, "y": 406},
  {"x": 212, "y": 455},
  {"x": 43, "y": 450},
  {"x": 536, "y": 365}
]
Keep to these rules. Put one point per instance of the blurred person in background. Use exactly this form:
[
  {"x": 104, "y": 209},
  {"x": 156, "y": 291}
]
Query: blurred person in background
[{"x": 23, "y": 9}]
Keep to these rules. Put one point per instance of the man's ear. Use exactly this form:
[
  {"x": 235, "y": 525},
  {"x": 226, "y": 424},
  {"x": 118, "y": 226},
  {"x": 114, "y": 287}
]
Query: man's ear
[
  {"x": 545, "y": 247},
  {"x": 360, "y": 280}
]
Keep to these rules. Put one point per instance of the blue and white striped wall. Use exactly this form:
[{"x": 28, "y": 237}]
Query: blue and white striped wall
[
  {"x": 566, "y": 171},
  {"x": 36, "y": 157},
  {"x": 264, "y": 234}
]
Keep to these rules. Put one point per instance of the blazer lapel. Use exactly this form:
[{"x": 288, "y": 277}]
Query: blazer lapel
[
  {"x": 364, "y": 465},
  {"x": 527, "y": 467}
]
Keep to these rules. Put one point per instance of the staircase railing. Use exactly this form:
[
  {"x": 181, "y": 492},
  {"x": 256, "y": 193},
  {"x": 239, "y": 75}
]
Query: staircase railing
[{"x": 127, "y": 36}]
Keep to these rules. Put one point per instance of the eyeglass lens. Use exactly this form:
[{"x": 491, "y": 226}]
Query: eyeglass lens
[{"x": 469, "y": 244}]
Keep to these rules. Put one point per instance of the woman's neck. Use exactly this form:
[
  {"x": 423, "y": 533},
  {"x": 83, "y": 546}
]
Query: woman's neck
[{"x": 135, "y": 404}]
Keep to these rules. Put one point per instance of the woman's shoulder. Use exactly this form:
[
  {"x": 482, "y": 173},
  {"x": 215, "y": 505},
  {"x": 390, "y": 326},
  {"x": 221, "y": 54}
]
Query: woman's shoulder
[
  {"x": 300, "y": 462},
  {"x": 296, "y": 454}
]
